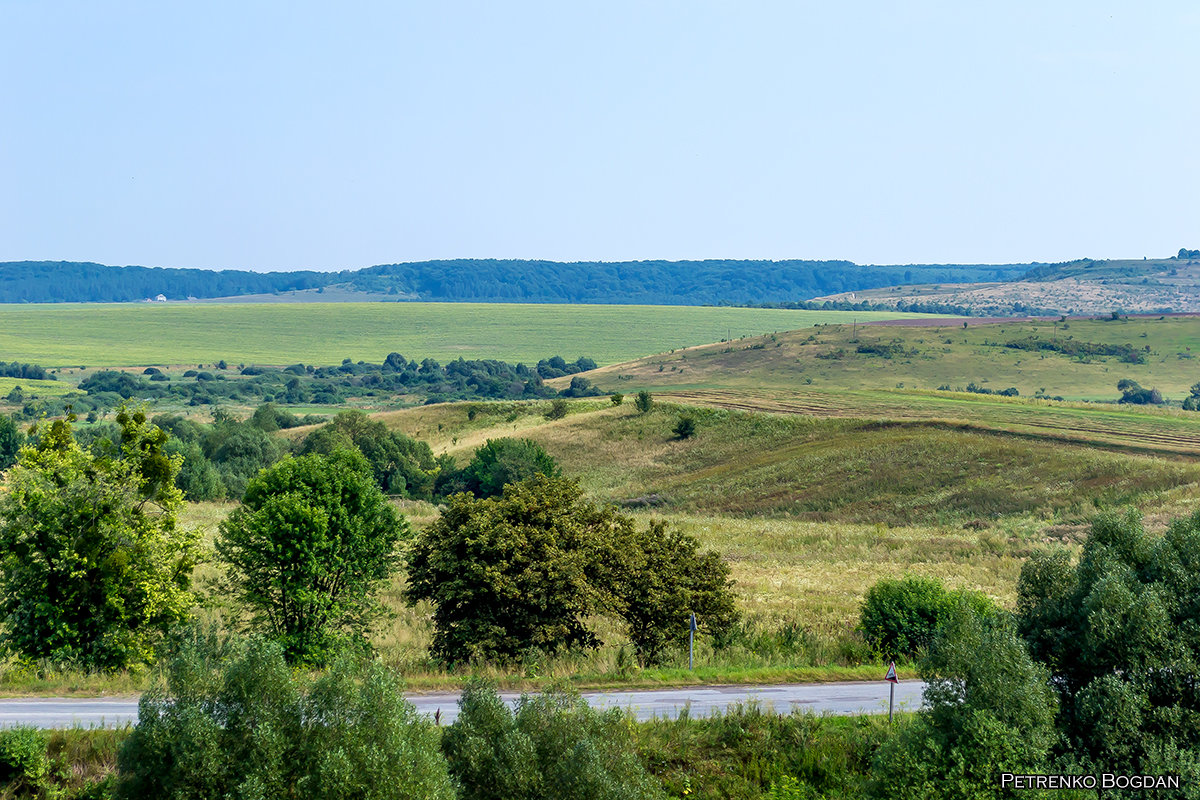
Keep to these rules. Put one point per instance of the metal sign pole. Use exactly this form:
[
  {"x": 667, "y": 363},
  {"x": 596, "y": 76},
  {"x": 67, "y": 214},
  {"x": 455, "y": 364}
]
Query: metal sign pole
[
  {"x": 691, "y": 637},
  {"x": 892, "y": 678}
]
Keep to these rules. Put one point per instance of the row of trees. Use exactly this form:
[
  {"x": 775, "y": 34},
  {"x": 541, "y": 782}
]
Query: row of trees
[{"x": 94, "y": 570}]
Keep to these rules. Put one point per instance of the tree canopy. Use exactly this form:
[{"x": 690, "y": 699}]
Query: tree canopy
[
  {"x": 311, "y": 542},
  {"x": 93, "y": 567},
  {"x": 528, "y": 568}
]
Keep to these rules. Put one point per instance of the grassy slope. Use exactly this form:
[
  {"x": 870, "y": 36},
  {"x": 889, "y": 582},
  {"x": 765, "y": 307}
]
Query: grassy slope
[
  {"x": 123, "y": 335},
  {"x": 1078, "y": 287},
  {"x": 827, "y": 359},
  {"x": 812, "y": 511}
]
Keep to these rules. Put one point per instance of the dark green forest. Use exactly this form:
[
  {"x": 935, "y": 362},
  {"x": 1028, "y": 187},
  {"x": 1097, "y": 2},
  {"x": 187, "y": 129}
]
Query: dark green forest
[{"x": 718, "y": 282}]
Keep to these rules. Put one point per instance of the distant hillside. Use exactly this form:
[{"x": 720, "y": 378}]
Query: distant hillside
[
  {"x": 728, "y": 282},
  {"x": 1085, "y": 286}
]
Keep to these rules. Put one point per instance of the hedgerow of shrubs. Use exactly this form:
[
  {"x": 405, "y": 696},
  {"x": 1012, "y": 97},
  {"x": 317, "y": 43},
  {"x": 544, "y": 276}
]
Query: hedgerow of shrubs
[
  {"x": 554, "y": 745},
  {"x": 232, "y": 720}
]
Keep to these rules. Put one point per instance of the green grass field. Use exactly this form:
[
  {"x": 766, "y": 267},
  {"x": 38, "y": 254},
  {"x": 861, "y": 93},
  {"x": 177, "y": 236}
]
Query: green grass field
[
  {"x": 326, "y": 333},
  {"x": 926, "y": 357},
  {"x": 41, "y": 388}
]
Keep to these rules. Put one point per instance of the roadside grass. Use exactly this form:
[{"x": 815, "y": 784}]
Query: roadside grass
[
  {"x": 103, "y": 335},
  {"x": 831, "y": 358},
  {"x": 740, "y": 754}
]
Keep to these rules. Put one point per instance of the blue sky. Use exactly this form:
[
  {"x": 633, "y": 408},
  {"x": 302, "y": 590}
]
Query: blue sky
[{"x": 270, "y": 135}]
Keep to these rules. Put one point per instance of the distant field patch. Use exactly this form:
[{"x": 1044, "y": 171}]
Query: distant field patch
[
  {"x": 326, "y": 333},
  {"x": 40, "y": 388}
]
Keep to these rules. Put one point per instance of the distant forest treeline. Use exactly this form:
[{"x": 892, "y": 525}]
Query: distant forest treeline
[{"x": 729, "y": 282}]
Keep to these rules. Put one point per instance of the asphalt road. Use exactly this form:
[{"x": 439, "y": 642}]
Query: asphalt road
[{"x": 819, "y": 698}]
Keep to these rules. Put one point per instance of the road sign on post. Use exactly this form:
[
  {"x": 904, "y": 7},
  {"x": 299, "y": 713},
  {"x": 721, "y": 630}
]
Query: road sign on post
[
  {"x": 892, "y": 680},
  {"x": 691, "y": 636}
]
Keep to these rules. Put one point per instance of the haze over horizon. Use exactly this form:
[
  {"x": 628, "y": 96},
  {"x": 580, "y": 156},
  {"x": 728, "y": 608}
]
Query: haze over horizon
[{"x": 292, "y": 136}]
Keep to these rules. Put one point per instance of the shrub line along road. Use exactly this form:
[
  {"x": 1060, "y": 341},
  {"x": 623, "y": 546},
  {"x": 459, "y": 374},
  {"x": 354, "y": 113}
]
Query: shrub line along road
[{"x": 701, "y": 701}]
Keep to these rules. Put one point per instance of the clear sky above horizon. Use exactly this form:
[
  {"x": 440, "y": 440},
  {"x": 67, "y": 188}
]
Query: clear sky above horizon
[{"x": 272, "y": 135}]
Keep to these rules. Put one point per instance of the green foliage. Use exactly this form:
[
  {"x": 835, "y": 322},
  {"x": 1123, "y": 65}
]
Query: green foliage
[
  {"x": 313, "y": 539},
  {"x": 199, "y": 479},
  {"x": 234, "y": 721},
  {"x": 665, "y": 578},
  {"x": 1132, "y": 393},
  {"x": 93, "y": 569},
  {"x": 503, "y": 461},
  {"x": 1192, "y": 401},
  {"x": 989, "y": 709},
  {"x": 1120, "y": 633},
  {"x": 788, "y": 788},
  {"x": 11, "y": 440},
  {"x": 514, "y": 572},
  {"x": 899, "y": 618},
  {"x": 643, "y": 402},
  {"x": 616, "y": 398},
  {"x": 400, "y": 464},
  {"x": 746, "y": 751},
  {"x": 270, "y": 418},
  {"x": 558, "y": 409},
  {"x": 24, "y": 764},
  {"x": 554, "y": 746},
  {"x": 526, "y": 569},
  {"x": 685, "y": 426}
]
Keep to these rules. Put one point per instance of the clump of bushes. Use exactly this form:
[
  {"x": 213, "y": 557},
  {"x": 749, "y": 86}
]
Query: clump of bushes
[
  {"x": 900, "y": 618},
  {"x": 1132, "y": 393},
  {"x": 232, "y": 720},
  {"x": 553, "y": 746}
]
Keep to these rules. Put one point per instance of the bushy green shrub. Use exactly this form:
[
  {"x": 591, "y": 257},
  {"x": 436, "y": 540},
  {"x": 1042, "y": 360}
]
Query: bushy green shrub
[
  {"x": 503, "y": 461},
  {"x": 685, "y": 426},
  {"x": 899, "y": 618},
  {"x": 24, "y": 765},
  {"x": 643, "y": 401},
  {"x": 989, "y": 709},
  {"x": 553, "y": 746},
  {"x": 232, "y": 720},
  {"x": 1120, "y": 633}
]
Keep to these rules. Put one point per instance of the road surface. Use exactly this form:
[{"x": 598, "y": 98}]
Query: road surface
[{"x": 644, "y": 704}]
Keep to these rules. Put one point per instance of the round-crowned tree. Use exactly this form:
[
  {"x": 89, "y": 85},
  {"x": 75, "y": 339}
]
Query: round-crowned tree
[
  {"x": 311, "y": 542},
  {"x": 502, "y": 461}
]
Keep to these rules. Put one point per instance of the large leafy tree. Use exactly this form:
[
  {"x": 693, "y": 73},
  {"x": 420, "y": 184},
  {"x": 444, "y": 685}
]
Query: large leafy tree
[
  {"x": 527, "y": 569},
  {"x": 311, "y": 542},
  {"x": 510, "y": 573},
  {"x": 665, "y": 577},
  {"x": 503, "y": 461},
  {"x": 93, "y": 567},
  {"x": 1120, "y": 633}
]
